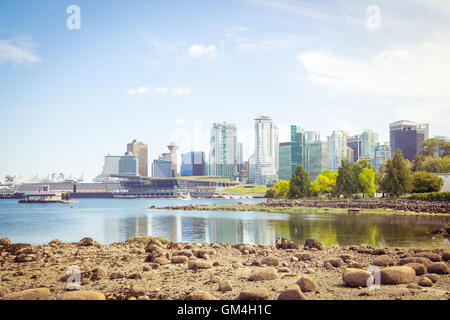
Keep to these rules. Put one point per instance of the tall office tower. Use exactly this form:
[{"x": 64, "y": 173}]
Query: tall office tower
[
  {"x": 266, "y": 150},
  {"x": 162, "y": 168},
  {"x": 111, "y": 166},
  {"x": 174, "y": 158},
  {"x": 369, "y": 140},
  {"x": 317, "y": 158},
  {"x": 223, "y": 154},
  {"x": 128, "y": 164},
  {"x": 298, "y": 148},
  {"x": 193, "y": 164},
  {"x": 140, "y": 151},
  {"x": 312, "y": 136},
  {"x": 408, "y": 136},
  {"x": 382, "y": 153},
  {"x": 252, "y": 169},
  {"x": 284, "y": 158},
  {"x": 350, "y": 154},
  {"x": 354, "y": 142},
  {"x": 337, "y": 149}
]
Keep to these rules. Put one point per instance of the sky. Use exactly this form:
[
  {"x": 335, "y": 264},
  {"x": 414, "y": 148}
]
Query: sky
[{"x": 163, "y": 71}]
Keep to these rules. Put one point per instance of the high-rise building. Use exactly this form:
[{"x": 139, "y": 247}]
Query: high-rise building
[
  {"x": 337, "y": 149},
  {"x": 382, "y": 153},
  {"x": 354, "y": 142},
  {"x": 369, "y": 140},
  {"x": 439, "y": 151},
  {"x": 312, "y": 136},
  {"x": 162, "y": 168},
  {"x": 350, "y": 154},
  {"x": 111, "y": 166},
  {"x": 252, "y": 169},
  {"x": 193, "y": 164},
  {"x": 266, "y": 150},
  {"x": 298, "y": 147},
  {"x": 223, "y": 154},
  {"x": 317, "y": 158},
  {"x": 128, "y": 164},
  {"x": 140, "y": 151},
  {"x": 284, "y": 167},
  {"x": 408, "y": 136}
]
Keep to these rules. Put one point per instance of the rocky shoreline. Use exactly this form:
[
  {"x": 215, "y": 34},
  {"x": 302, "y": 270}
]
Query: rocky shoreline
[
  {"x": 150, "y": 268},
  {"x": 350, "y": 205}
]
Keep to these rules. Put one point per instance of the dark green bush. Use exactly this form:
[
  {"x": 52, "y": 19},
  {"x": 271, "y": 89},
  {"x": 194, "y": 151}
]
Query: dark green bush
[{"x": 431, "y": 196}]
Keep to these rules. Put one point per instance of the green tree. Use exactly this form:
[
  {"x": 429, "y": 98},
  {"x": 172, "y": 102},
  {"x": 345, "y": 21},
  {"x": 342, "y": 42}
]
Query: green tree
[
  {"x": 282, "y": 189},
  {"x": 397, "y": 178},
  {"x": 426, "y": 182},
  {"x": 367, "y": 181},
  {"x": 417, "y": 164},
  {"x": 345, "y": 182},
  {"x": 432, "y": 164},
  {"x": 270, "y": 193},
  {"x": 300, "y": 184},
  {"x": 325, "y": 182},
  {"x": 429, "y": 147},
  {"x": 357, "y": 169}
]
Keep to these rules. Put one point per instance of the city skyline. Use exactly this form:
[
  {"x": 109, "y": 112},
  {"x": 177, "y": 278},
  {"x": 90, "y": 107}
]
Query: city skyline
[{"x": 86, "y": 93}]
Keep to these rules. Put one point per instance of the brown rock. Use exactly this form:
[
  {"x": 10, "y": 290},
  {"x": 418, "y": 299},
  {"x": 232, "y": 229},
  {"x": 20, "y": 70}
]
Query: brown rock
[
  {"x": 254, "y": 294},
  {"x": 356, "y": 265},
  {"x": 19, "y": 248},
  {"x": 117, "y": 275},
  {"x": 201, "y": 295},
  {"x": 438, "y": 268},
  {"x": 215, "y": 279},
  {"x": 270, "y": 261},
  {"x": 99, "y": 274},
  {"x": 383, "y": 261},
  {"x": 263, "y": 274},
  {"x": 137, "y": 291},
  {"x": 306, "y": 284},
  {"x": 283, "y": 243},
  {"x": 446, "y": 255},
  {"x": 86, "y": 242},
  {"x": 433, "y": 277},
  {"x": 284, "y": 270},
  {"x": 357, "y": 277},
  {"x": 303, "y": 256},
  {"x": 424, "y": 261},
  {"x": 179, "y": 259},
  {"x": 3, "y": 291},
  {"x": 186, "y": 252},
  {"x": 225, "y": 286},
  {"x": 82, "y": 295},
  {"x": 313, "y": 243},
  {"x": 30, "y": 294},
  {"x": 418, "y": 268},
  {"x": 429, "y": 255},
  {"x": 292, "y": 292},
  {"x": 396, "y": 275},
  {"x": 425, "y": 282},
  {"x": 337, "y": 262},
  {"x": 198, "y": 264},
  {"x": 5, "y": 242},
  {"x": 162, "y": 261}
]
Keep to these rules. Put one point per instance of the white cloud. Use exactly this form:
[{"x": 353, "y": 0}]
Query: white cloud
[
  {"x": 147, "y": 89},
  {"x": 197, "y": 50},
  {"x": 270, "y": 43},
  {"x": 18, "y": 51},
  {"x": 312, "y": 9}
]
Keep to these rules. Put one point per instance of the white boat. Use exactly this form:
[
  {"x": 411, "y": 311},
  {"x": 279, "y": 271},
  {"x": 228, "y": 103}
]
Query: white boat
[{"x": 185, "y": 197}]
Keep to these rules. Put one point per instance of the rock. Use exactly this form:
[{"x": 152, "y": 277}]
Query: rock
[
  {"x": 424, "y": 261},
  {"x": 292, "y": 292},
  {"x": 25, "y": 258},
  {"x": 215, "y": 279},
  {"x": 198, "y": 264},
  {"x": 152, "y": 248},
  {"x": 143, "y": 298},
  {"x": 3, "y": 291},
  {"x": 446, "y": 255},
  {"x": 284, "y": 270},
  {"x": 254, "y": 294},
  {"x": 418, "y": 268},
  {"x": 55, "y": 243},
  {"x": 283, "y": 243},
  {"x": 179, "y": 259},
  {"x": 396, "y": 275},
  {"x": 86, "y": 242},
  {"x": 201, "y": 295},
  {"x": 162, "y": 261},
  {"x": 306, "y": 284},
  {"x": 425, "y": 282},
  {"x": 357, "y": 277},
  {"x": 85, "y": 281},
  {"x": 438, "y": 268},
  {"x": 137, "y": 291},
  {"x": 134, "y": 276},
  {"x": 5, "y": 242},
  {"x": 117, "y": 275},
  {"x": 356, "y": 265},
  {"x": 99, "y": 274},
  {"x": 429, "y": 255},
  {"x": 303, "y": 256},
  {"x": 263, "y": 274},
  {"x": 383, "y": 261},
  {"x": 328, "y": 265},
  {"x": 270, "y": 261},
  {"x": 186, "y": 252},
  {"x": 19, "y": 248},
  {"x": 433, "y": 277},
  {"x": 346, "y": 257},
  {"x": 338, "y": 262},
  {"x": 313, "y": 243},
  {"x": 237, "y": 265},
  {"x": 365, "y": 293},
  {"x": 225, "y": 286},
  {"x": 30, "y": 294},
  {"x": 310, "y": 271},
  {"x": 414, "y": 286},
  {"x": 82, "y": 295}
]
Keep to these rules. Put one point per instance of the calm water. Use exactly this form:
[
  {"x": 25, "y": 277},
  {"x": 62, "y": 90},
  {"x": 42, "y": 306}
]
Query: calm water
[{"x": 111, "y": 220}]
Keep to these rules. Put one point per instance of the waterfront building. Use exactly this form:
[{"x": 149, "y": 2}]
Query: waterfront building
[
  {"x": 193, "y": 164},
  {"x": 284, "y": 167},
  {"x": 382, "y": 153},
  {"x": 369, "y": 140},
  {"x": 312, "y": 136},
  {"x": 317, "y": 158},
  {"x": 162, "y": 168},
  {"x": 223, "y": 155},
  {"x": 266, "y": 150},
  {"x": 298, "y": 148},
  {"x": 111, "y": 166},
  {"x": 408, "y": 136},
  {"x": 140, "y": 151},
  {"x": 128, "y": 164},
  {"x": 337, "y": 149},
  {"x": 354, "y": 142}
]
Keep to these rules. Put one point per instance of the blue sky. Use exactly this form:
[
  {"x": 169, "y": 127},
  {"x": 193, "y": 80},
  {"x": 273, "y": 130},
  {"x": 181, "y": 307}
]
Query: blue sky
[{"x": 162, "y": 71}]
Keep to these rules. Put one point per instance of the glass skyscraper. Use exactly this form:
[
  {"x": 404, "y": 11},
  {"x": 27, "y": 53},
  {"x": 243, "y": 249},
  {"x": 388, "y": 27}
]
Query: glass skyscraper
[
  {"x": 266, "y": 151},
  {"x": 369, "y": 140},
  {"x": 285, "y": 167},
  {"x": 408, "y": 136},
  {"x": 337, "y": 149},
  {"x": 317, "y": 159},
  {"x": 298, "y": 147},
  {"x": 223, "y": 155}
]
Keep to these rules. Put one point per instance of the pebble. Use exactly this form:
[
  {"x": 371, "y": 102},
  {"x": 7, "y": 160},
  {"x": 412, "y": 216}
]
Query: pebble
[
  {"x": 254, "y": 294},
  {"x": 263, "y": 274},
  {"x": 306, "y": 284}
]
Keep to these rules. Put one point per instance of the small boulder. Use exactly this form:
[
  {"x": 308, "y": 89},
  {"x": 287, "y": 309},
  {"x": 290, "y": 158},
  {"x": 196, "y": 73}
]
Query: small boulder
[
  {"x": 396, "y": 275},
  {"x": 337, "y": 262},
  {"x": 383, "y": 261},
  {"x": 292, "y": 292},
  {"x": 225, "y": 286},
  {"x": 429, "y": 255},
  {"x": 198, "y": 264},
  {"x": 425, "y": 282},
  {"x": 438, "y": 268},
  {"x": 424, "y": 261},
  {"x": 82, "y": 295},
  {"x": 418, "y": 268},
  {"x": 357, "y": 277},
  {"x": 201, "y": 295},
  {"x": 433, "y": 277},
  {"x": 254, "y": 294},
  {"x": 30, "y": 294},
  {"x": 306, "y": 284},
  {"x": 117, "y": 275},
  {"x": 3, "y": 291},
  {"x": 312, "y": 243},
  {"x": 303, "y": 257},
  {"x": 446, "y": 256},
  {"x": 283, "y": 243},
  {"x": 86, "y": 242},
  {"x": 263, "y": 274},
  {"x": 179, "y": 259},
  {"x": 270, "y": 261},
  {"x": 99, "y": 274}
]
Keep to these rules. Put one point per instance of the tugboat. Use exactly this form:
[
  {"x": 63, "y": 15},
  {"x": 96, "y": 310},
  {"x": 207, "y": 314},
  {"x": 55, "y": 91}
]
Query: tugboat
[{"x": 44, "y": 196}]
